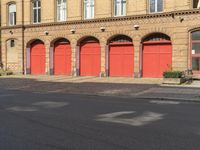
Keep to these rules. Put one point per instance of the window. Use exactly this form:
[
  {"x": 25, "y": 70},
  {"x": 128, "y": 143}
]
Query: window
[
  {"x": 12, "y": 43},
  {"x": 196, "y": 51},
  {"x": 120, "y": 7},
  {"x": 196, "y": 3},
  {"x": 156, "y": 6},
  {"x": 88, "y": 9},
  {"x": 12, "y": 14},
  {"x": 61, "y": 10},
  {"x": 36, "y": 14}
]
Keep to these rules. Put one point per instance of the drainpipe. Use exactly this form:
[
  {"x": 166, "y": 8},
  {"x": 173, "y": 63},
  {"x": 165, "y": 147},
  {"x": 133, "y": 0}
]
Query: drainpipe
[{"x": 23, "y": 28}]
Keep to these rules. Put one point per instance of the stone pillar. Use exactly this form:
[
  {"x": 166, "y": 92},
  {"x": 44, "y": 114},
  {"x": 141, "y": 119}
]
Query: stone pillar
[
  {"x": 77, "y": 61},
  {"x": 107, "y": 60},
  {"x": 74, "y": 57},
  {"x": 28, "y": 62},
  {"x": 47, "y": 48},
  {"x": 137, "y": 57},
  {"x": 20, "y": 54},
  {"x": 103, "y": 58},
  {"x": 3, "y": 55},
  {"x": 51, "y": 60}
]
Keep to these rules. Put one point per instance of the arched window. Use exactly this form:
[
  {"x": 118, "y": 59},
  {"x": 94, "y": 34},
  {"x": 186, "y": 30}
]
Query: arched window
[
  {"x": 36, "y": 11},
  {"x": 61, "y": 10},
  {"x": 12, "y": 14},
  {"x": 88, "y": 9},
  {"x": 196, "y": 51},
  {"x": 155, "y": 6},
  {"x": 157, "y": 37},
  {"x": 120, "y": 39},
  {"x": 196, "y": 3},
  {"x": 120, "y": 7}
]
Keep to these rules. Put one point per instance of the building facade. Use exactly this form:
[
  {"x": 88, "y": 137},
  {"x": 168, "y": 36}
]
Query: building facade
[{"x": 133, "y": 38}]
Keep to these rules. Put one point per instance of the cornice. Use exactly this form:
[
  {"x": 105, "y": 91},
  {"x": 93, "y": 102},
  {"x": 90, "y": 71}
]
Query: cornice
[{"x": 109, "y": 19}]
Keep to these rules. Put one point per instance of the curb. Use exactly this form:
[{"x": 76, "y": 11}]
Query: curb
[
  {"x": 169, "y": 98},
  {"x": 192, "y": 100}
]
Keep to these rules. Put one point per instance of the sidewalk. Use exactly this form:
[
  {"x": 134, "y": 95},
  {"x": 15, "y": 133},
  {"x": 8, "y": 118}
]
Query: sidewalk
[
  {"x": 71, "y": 79},
  {"x": 124, "y": 87}
]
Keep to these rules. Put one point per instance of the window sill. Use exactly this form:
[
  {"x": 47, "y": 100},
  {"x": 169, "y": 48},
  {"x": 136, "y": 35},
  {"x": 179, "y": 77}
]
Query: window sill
[
  {"x": 160, "y": 12},
  {"x": 120, "y": 16},
  {"x": 36, "y": 23}
]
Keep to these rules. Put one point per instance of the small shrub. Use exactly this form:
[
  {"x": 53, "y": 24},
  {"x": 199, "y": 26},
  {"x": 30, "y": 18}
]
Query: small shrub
[
  {"x": 172, "y": 74},
  {"x": 9, "y": 72},
  {"x": 5, "y": 72},
  {"x": 2, "y": 72}
]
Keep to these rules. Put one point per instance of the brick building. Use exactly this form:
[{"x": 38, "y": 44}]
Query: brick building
[{"x": 135, "y": 38}]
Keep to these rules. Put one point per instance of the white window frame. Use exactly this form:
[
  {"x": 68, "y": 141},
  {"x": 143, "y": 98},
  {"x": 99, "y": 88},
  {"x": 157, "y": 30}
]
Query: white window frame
[
  {"x": 12, "y": 13},
  {"x": 88, "y": 9},
  {"x": 119, "y": 8},
  {"x": 61, "y": 10},
  {"x": 37, "y": 8},
  {"x": 156, "y": 6}
]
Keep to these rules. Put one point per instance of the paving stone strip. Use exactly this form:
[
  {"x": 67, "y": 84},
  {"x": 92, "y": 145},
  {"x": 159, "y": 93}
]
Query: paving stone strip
[{"x": 146, "y": 88}]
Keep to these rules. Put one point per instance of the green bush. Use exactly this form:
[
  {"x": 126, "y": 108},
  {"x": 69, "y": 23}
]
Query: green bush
[
  {"x": 2, "y": 72},
  {"x": 9, "y": 72},
  {"x": 5, "y": 72},
  {"x": 172, "y": 74}
]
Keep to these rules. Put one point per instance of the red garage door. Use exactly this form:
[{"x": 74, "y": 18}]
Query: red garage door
[
  {"x": 90, "y": 63},
  {"x": 157, "y": 58},
  {"x": 37, "y": 58},
  {"x": 62, "y": 58},
  {"x": 121, "y": 60}
]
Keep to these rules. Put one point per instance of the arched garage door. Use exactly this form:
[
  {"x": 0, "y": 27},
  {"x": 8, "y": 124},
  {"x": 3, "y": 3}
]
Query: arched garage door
[
  {"x": 157, "y": 55},
  {"x": 37, "y": 58},
  {"x": 62, "y": 57},
  {"x": 90, "y": 57},
  {"x": 121, "y": 57}
]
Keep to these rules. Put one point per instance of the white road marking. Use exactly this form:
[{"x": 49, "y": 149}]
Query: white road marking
[
  {"x": 51, "y": 104},
  {"x": 144, "y": 119},
  {"x": 6, "y": 95},
  {"x": 22, "y": 109},
  {"x": 165, "y": 102},
  {"x": 115, "y": 91}
]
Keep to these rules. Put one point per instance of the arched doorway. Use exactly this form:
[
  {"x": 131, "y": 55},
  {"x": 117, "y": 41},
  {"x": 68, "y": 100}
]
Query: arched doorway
[
  {"x": 62, "y": 57},
  {"x": 195, "y": 52},
  {"x": 121, "y": 56},
  {"x": 37, "y": 57},
  {"x": 90, "y": 57},
  {"x": 156, "y": 55}
]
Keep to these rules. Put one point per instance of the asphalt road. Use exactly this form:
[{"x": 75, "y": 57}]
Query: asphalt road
[{"x": 36, "y": 121}]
